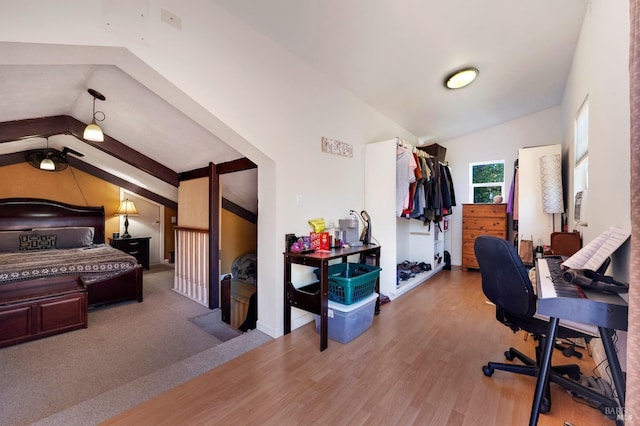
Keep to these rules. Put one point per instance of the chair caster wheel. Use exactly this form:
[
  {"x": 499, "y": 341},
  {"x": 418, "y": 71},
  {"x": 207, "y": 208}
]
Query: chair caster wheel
[
  {"x": 509, "y": 355},
  {"x": 488, "y": 371}
]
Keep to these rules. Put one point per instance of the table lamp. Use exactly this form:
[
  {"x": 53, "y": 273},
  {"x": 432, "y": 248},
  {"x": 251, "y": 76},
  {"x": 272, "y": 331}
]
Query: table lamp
[{"x": 126, "y": 208}]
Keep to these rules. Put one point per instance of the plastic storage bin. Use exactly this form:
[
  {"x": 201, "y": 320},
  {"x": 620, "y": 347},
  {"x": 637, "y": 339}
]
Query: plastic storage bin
[
  {"x": 346, "y": 322},
  {"x": 350, "y": 282}
]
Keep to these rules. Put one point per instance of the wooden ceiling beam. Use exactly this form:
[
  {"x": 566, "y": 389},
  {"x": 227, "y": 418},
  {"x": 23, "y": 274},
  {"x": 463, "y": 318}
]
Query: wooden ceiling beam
[
  {"x": 11, "y": 131},
  {"x": 238, "y": 165},
  {"x": 63, "y": 124}
]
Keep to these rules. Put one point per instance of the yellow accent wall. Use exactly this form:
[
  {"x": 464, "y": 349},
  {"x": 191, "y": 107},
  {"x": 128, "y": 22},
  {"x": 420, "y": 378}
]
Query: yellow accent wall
[
  {"x": 72, "y": 186},
  {"x": 238, "y": 236},
  {"x": 193, "y": 199}
]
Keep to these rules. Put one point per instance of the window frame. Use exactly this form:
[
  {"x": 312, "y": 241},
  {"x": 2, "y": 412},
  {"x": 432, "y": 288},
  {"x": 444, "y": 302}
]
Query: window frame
[
  {"x": 473, "y": 186},
  {"x": 581, "y": 148}
]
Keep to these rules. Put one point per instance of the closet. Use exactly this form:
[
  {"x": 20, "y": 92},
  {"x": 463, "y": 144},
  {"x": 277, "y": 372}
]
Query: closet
[{"x": 401, "y": 239}]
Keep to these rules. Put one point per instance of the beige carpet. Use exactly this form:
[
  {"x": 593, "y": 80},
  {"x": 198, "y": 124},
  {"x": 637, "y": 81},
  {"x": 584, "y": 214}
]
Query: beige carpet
[
  {"x": 124, "y": 342},
  {"x": 211, "y": 323}
]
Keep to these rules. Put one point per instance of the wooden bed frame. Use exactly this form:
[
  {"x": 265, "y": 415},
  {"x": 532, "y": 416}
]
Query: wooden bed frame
[{"x": 27, "y": 213}]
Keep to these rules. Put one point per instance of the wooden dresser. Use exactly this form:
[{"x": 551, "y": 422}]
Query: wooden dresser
[{"x": 480, "y": 219}]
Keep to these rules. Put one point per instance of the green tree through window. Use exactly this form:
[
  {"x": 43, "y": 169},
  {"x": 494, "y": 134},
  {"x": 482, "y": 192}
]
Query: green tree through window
[{"x": 487, "y": 181}]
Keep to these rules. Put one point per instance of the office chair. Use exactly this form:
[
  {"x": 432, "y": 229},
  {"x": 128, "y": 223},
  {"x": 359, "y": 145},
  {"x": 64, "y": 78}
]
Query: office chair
[{"x": 505, "y": 282}]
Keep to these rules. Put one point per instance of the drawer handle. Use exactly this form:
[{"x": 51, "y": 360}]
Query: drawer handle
[
  {"x": 134, "y": 252},
  {"x": 133, "y": 244}
]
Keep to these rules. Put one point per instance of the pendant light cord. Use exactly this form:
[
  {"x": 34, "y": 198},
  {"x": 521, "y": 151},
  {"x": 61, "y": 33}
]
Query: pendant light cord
[{"x": 78, "y": 185}]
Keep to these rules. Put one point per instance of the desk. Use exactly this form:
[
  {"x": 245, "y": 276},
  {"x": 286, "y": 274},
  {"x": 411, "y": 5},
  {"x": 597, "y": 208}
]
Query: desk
[{"x": 318, "y": 302}]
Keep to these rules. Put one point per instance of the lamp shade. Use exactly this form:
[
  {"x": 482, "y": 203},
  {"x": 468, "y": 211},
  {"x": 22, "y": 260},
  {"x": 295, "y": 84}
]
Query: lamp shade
[
  {"x": 551, "y": 183},
  {"x": 47, "y": 164},
  {"x": 127, "y": 208},
  {"x": 93, "y": 132}
]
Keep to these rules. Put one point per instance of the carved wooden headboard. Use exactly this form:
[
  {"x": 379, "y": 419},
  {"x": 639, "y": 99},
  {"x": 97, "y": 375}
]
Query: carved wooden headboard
[{"x": 27, "y": 213}]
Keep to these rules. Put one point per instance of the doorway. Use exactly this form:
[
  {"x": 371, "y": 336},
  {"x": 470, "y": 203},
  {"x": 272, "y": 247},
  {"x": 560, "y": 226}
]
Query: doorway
[{"x": 148, "y": 223}]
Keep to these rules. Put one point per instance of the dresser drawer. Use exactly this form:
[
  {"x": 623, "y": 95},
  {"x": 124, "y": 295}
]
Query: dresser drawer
[
  {"x": 477, "y": 220},
  {"x": 137, "y": 247},
  {"x": 484, "y": 210}
]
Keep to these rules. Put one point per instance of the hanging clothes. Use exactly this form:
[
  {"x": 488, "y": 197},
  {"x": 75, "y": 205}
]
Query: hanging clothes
[
  {"x": 405, "y": 165},
  {"x": 424, "y": 186}
]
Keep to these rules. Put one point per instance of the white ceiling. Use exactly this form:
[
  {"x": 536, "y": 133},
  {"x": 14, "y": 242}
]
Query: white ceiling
[
  {"x": 393, "y": 55},
  {"x": 134, "y": 115}
]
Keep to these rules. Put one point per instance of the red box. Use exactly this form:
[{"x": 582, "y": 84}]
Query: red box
[
  {"x": 325, "y": 241},
  {"x": 315, "y": 240},
  {"x": 320, "y": 240}
]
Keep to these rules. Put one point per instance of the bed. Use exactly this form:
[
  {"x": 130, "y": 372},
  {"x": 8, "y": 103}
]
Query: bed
[{"x": 56, "y": 239}]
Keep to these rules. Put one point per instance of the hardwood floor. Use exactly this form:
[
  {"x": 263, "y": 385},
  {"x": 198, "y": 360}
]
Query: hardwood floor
[{"x": 420, "y": 363}]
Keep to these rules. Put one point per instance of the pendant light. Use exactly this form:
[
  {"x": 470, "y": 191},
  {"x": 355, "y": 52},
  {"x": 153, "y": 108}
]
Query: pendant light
[
  {"x": 47, "y": 163},
  {"x": 93, "y": 132}
]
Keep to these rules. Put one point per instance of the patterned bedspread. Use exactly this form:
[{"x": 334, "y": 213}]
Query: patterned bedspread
[{"x": 93, "y": 263}]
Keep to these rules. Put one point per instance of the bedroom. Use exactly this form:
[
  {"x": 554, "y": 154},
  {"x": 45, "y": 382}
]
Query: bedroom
[{"x": 291, "y": 117}]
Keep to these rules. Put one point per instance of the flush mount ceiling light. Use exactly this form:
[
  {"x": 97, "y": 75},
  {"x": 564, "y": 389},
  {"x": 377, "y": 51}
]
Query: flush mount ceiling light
[
  {"x": 461, "y": 78},
  {"x": 93, "y": 132}
]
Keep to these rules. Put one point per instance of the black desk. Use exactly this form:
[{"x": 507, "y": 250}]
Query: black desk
[
  {"x": 600, "y": 309},
  {"x": 318, "y": 302}
]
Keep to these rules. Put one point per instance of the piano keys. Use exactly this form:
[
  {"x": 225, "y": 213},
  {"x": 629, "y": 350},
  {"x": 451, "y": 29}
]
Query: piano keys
[
  {"x": 557, "y": 298},
  {"x": 607, "y": 311}
]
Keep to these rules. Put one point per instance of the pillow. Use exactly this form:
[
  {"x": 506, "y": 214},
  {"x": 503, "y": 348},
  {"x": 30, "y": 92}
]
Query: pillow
[
  {"x": 29, "y": 242},
  {"x": 10, "y": 240},
  {"x": 244, "y": 268},
  {"x": 70, "y": 237}
]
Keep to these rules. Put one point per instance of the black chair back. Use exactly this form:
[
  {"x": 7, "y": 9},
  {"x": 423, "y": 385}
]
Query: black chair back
[{"x": 505, "y": 280}]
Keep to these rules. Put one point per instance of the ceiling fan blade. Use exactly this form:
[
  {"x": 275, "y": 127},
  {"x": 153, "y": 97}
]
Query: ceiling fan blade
[
  {"x": 70, "y": 151},
  {"x": 34, "y": 158}
]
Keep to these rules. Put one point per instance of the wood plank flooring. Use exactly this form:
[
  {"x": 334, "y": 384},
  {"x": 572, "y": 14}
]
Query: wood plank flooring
[{"x": 420, "y": 363}]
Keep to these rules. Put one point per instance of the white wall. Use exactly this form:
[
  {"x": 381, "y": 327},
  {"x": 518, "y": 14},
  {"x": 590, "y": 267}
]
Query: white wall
[
  {"x": 496, "y": 143},
  {"x": 600, "y": 71},
  {"x": 238, "y": 84}
]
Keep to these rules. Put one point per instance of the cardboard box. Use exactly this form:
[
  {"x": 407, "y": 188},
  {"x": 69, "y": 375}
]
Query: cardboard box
[{"x": 435, "y": 150}]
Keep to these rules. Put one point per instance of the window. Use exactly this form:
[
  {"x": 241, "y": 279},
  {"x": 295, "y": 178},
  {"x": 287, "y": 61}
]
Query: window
[
  {"x": 487, "y": 181},
  {"x": 581, "y": 136}
]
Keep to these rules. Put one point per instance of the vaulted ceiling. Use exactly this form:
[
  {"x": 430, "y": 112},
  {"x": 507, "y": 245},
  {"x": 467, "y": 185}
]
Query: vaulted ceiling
[
  {"x": 393, "y": 55},
  {"x": 143, "y": 132}
]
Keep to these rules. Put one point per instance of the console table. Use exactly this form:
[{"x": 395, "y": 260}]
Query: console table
[{"x": 317, "y": 302}]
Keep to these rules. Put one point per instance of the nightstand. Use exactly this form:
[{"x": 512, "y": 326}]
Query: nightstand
[{"x": 137, "y": 247}]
